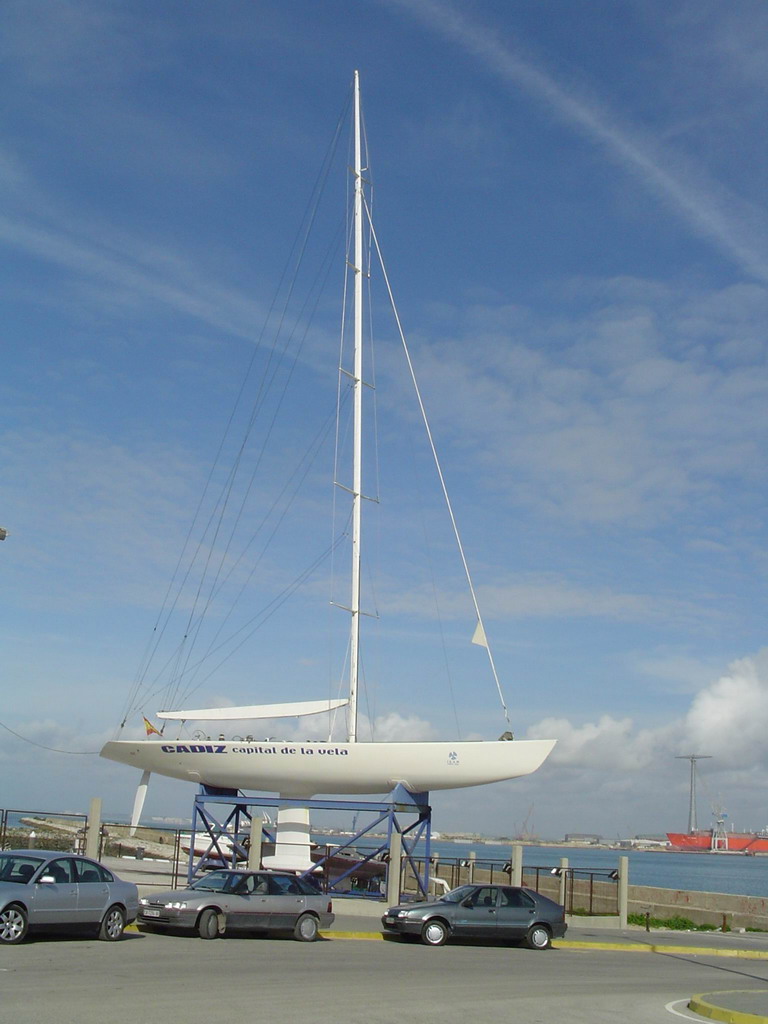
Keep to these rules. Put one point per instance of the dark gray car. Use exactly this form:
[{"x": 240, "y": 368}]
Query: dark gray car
[
  {"x": 246, "y": 901},
  {"x": 481, "y": 911},
  {"x": 50, "y": 890}
]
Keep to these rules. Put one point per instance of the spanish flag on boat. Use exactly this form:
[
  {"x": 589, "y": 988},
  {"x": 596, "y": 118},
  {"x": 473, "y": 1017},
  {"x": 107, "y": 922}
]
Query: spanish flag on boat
[{"x": 150, "y": 728}]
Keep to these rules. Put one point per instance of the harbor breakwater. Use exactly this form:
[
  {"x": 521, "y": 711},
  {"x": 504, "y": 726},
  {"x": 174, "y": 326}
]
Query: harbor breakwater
[{"x": 712, "y": 908}]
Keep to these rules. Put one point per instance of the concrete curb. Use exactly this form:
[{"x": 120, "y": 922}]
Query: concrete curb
[
  {"x": 707, "y": 1009},
  {"x": 611, "y": 947},
  {"x": 627, "y": 947},
  {"x": 579, "y": 946}
]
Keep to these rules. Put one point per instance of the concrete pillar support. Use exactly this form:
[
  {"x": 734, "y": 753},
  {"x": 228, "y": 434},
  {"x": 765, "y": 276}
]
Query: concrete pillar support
[
  {"x": 623, "y": 884},
  {"x": 254, "y": 850},
  {"x": 516, "y": 864},
  {"x": 563, "y": 879},
  {"x": 93, "y": 831},
  {"x": 394, "y": 871}
]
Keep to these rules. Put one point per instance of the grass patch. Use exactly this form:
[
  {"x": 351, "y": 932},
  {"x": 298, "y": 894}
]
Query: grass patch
[
  {"x": 677, "y": 924},
  {"x": 581, "y": 912}
]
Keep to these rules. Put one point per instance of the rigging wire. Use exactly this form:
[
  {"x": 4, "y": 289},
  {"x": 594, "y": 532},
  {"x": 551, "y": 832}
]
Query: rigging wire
[
  {"x": 268, "y": 378},
  {"x": 436, "y": 461},
  {"x": 215, "y": 588},
  {"x": 435, "y": 597},
  {"x": 298, "y": 248},
  {"x": 42, "y": 746},
  {"x": 309, "y": 462},
  {"x": 263, "y": 615}
]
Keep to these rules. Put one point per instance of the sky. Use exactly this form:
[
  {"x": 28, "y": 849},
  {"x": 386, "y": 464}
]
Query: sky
[{"x": 570, "y": 200}]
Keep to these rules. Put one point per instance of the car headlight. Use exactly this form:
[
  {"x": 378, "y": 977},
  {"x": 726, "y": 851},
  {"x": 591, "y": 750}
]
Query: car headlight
[
  {"x": 176, "y": 905},
  {"x": 143, "y": 902},
  {"x": 402, "y": 913}
]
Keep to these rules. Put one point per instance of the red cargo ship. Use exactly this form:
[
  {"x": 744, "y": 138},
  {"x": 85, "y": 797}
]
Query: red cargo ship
[{"x": 718, "y": 840}]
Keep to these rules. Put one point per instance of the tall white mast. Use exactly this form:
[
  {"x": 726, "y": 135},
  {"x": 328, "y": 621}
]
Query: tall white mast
[{"x": 357, "y": 459}]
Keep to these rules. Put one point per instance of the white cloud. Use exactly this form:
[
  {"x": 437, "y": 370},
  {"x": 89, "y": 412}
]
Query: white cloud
[
  {"x": 141, "y": 271},
  {"x": 735, "y": 227},
  {"x": 609, "y": 744},
  {"x": 679, "y": 673},
  {"x": 537, "y": 595},
  {"x": 397, "y": 728},
  {"x": 625, "y": 414},
  {"x": 727, "y": 720},
  {"x": 80, "y": 507}
]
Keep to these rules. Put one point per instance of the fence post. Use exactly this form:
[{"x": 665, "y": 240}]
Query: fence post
[
  {"x": 623, "y": 890},
  {"x": 516, "y": 865},
  {"x": 563, "y": 880},
  {"x": 254, "y": 849},
  {"x": 471, "y": 870},
  {"x": 93, "y": 830},
  {"x": 394, "y": 868}
]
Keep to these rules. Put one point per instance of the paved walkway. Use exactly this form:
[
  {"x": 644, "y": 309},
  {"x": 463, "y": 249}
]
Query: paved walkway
[{"x": 732, "y": 1007}]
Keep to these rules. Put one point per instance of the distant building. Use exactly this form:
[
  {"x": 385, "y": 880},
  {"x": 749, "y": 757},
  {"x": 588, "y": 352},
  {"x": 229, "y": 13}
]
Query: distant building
[
  {"x": 586, "y": 838},
  {"x": 651, "y": 840}
]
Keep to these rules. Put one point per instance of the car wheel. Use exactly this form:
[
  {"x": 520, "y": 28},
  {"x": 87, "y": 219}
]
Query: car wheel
[
  {"x": 112, "y": 925},
  {"x": 306, "y": 928},
  {"x": 538, "y": 937},
  {"x": 434, "y": 933},
  {"x": 208, "y": 924},
  {"x": 13, "y": 924}
]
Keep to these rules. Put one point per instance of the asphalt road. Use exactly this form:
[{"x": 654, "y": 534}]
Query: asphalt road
[{"x": 154, "y": 978}]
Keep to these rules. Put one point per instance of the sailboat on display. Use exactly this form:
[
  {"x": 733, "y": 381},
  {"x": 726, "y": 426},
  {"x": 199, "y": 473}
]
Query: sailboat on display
[{"x": 304, "y": 769}]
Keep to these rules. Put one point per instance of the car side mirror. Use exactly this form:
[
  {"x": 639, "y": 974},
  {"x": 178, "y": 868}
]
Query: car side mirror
[
  {"x": 467, "y": 902},
  {"x": 47, "y": 878}
]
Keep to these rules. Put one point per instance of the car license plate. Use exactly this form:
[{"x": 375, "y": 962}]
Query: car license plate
[{"x": 150, "y": 913}]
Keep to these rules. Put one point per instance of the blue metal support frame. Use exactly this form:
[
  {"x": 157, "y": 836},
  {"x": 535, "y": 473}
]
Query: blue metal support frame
[{"x": 215, "y": 827}]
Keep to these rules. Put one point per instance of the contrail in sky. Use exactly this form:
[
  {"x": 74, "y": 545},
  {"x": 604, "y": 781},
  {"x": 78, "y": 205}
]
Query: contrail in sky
[{"x": 699, "y": 204}]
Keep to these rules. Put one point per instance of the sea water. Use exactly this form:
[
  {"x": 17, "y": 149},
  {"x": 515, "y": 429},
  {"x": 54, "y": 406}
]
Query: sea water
[{"x": 700, "y": 872}]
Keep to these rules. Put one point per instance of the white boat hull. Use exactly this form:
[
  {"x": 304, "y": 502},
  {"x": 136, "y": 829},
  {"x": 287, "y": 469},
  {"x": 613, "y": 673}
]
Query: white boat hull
[{"x": 306, "y": 769}]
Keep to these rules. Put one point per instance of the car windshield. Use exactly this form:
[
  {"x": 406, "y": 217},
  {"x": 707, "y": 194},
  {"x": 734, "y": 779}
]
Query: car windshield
[
  {"x": 457, "y": 895},
  {"x": 15, "y": 867},
  {"x": 216, "y": 881}
]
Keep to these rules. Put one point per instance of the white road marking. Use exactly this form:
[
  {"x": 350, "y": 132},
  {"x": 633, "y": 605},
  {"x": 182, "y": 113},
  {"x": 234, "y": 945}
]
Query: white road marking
[{"x": 681, "y": 1002}]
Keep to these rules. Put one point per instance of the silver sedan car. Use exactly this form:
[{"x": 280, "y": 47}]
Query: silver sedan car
[
  {"x": 225, "y": 901},
  {"x": 49, "y": 890},
  {"x": 481, "y": 911}
]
